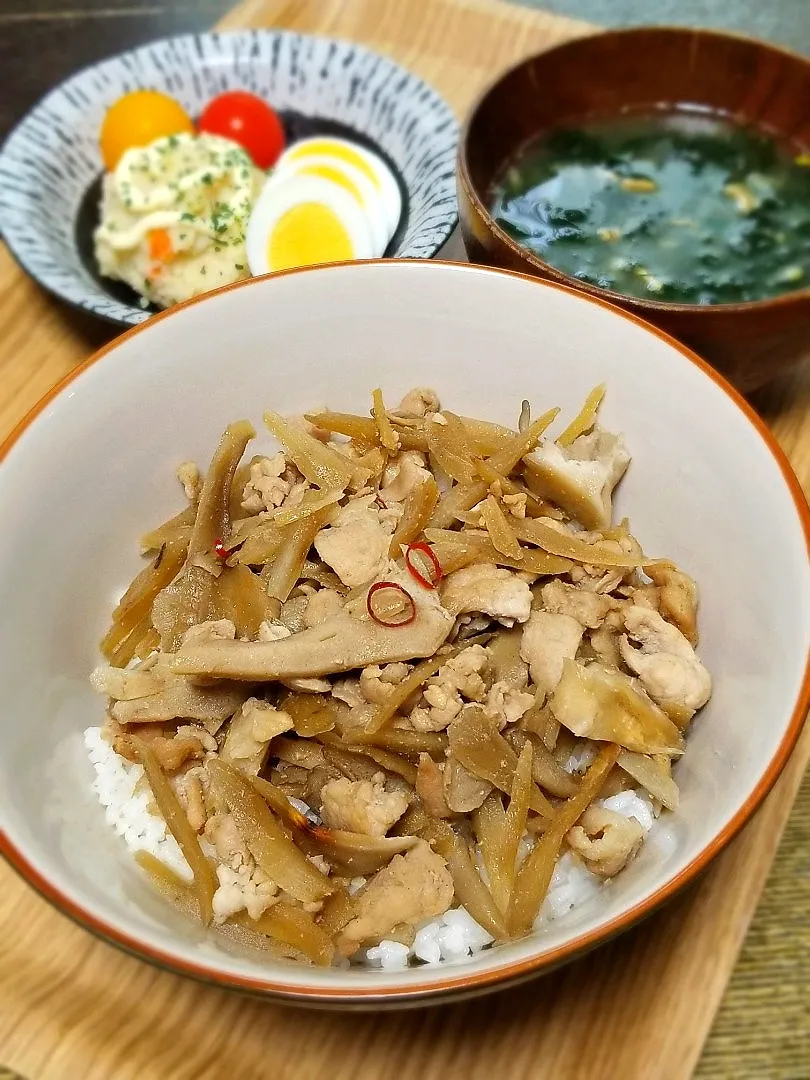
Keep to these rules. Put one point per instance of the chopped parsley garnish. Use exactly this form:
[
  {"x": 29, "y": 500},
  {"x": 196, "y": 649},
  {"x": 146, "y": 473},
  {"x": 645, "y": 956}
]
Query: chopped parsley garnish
[{"x": 220, "y": 217}]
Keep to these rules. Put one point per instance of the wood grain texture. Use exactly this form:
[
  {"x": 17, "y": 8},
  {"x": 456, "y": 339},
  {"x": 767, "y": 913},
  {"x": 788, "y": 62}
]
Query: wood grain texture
[
  {"x": 639, "y": 1009},
  {"x": 762, "y": 1028},
  {"x": 458, "y": 46}
]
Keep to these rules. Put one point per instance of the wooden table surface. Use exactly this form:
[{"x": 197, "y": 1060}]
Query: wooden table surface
[{"x": 638, "y": 1009}]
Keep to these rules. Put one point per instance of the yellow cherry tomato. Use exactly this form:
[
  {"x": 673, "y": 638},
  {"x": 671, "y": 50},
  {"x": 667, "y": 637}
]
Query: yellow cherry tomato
[{"x": 137, "y": 119}]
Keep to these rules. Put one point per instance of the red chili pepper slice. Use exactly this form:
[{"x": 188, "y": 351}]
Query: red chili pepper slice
[
  {"x": 408, "y": 616},
  {"x": 430, "y": 555},
  {"x": 221, "y": 551}
]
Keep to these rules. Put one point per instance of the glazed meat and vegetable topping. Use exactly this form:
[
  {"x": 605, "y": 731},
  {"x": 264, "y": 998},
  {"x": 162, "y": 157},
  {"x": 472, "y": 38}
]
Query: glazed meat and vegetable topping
[{"x": 404, "y": 666}]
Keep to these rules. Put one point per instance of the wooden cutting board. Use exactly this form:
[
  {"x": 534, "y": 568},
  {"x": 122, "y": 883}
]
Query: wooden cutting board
[{"x": 73, "y": 1008}]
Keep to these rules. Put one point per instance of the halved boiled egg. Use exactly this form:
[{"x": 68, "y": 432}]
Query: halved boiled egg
[
  {"x": 351, "y": 179},
  {"x": 367, "y": 162},
  {"x": 304, "y": 220}
]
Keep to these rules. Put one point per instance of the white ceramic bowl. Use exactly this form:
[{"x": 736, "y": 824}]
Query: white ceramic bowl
[{"x": 94, "y": 464}]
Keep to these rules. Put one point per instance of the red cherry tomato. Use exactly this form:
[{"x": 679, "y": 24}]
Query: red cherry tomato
[{"x": 247, "y": 120}]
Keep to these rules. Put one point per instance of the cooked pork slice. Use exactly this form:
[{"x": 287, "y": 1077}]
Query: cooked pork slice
[
  {"x": 489, "y": 589},
  {"x": 548, "y": 640},
  {"x": 356, "y": 544},
  {"x": 413, "y": 887},
  {"x": 362, "y": 806},
  {"x": 665, "y": 662},
  {"x": 605, "y": 840}
]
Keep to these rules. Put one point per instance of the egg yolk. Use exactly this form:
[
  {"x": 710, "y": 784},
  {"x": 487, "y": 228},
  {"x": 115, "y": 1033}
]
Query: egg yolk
[
  {"x": 307, "y": 234},
  {"x": 336, "y": 150},
  {"x": 328, "y": 172}
]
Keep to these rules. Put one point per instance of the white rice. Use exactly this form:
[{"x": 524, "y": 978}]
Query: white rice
[
  {"x": 127, "y": 809},
  {"x": 581, "y": 757},
  {"x": 388, "y": 955},
  {"x": 453, "y": 936},
  {"x": 632, "y": 804},
  {"x": 572, "y": 885}
]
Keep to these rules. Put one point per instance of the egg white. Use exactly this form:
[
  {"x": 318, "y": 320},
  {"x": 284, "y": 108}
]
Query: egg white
[
  {"x": 368, "y": 194},
  {"x": 387, "y": 183},
  {"x": 281, "y": 194}
]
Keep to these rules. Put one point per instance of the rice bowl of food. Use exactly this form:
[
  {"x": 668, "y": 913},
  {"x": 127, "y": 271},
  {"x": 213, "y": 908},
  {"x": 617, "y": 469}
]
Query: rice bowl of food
[{"x": 416, "y": 673}]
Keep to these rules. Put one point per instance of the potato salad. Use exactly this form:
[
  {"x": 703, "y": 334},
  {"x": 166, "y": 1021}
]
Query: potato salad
[{"x": 174, "y": 215}]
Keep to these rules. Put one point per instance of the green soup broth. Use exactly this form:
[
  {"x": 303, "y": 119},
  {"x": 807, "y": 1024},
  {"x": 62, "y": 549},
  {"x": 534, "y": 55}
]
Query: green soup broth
[{"x": 677, "y": 207}]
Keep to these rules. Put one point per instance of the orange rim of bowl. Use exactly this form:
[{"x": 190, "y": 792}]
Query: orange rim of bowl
[
  {"x": 458, "y": 981},
  {"x": 612, "y": 296}
]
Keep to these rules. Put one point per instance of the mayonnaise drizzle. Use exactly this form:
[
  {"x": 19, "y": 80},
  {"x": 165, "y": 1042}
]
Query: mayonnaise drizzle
[
  {"x": 181, "y": 179},
  {"x": 123, "y": 239}
]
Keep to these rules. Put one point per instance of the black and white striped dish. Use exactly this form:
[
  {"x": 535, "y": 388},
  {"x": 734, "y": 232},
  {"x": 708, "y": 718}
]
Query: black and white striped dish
[{"x": 51, "y": 159}]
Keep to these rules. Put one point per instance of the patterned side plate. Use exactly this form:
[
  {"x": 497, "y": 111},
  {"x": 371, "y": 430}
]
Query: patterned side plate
[{"x": 51, "y": 161}]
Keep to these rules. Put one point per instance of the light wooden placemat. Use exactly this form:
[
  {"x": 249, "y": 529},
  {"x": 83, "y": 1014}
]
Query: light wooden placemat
[{"x": 73, "y": 1008}]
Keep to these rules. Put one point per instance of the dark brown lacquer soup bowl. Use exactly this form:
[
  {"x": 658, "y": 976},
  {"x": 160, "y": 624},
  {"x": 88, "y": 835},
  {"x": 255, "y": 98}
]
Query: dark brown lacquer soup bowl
[{"x": 647, "y": 70}]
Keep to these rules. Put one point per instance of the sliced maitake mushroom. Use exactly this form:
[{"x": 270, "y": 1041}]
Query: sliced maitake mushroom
[
  {"x": 250, "y": 733},
  {"x": 605, "y": 643},
  {"x": 581, "y": 477},
  {"x": 463, "y": 792},
  {"x": 678, "y": 598},
  {"x": 347, "y": 640},
  {"x": 181, "y": 698},
  {"x": 666, "y": 663},
  {"x": 595, "y": 703},
  {"x": 404, "y": 473}
]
